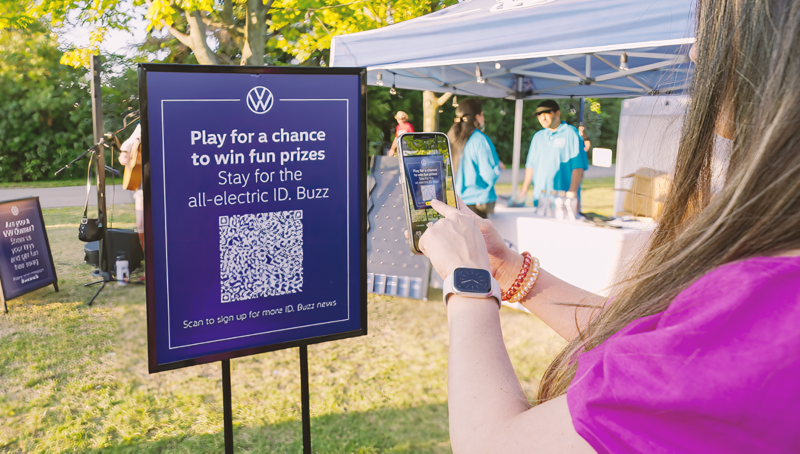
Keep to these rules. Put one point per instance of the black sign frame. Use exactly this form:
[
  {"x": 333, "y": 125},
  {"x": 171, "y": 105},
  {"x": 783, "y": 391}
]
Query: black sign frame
[
  {"x": 44, "y": 283},
  {"x": 362, "y": 148}
]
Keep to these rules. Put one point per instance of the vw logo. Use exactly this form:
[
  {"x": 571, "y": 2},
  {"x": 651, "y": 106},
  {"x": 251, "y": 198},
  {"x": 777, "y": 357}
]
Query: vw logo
[
  {"x": 14, "y": 210},
  {"x": 259, "y": 100},
  {"x": 424, "y": 162}
]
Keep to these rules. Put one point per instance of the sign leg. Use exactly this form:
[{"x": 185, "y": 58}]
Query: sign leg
[
  {"x": 227, "y": 411},
  {"x": 2, "y": 297},
  {"x": 304, "y": 398}
]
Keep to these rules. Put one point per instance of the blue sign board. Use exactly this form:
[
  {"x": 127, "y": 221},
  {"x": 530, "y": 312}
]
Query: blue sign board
[
  {"x": 255, "y": 209},
  {"x": 26, "y": 263}
]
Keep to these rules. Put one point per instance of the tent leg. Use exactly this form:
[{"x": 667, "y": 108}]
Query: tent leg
[{"x": 517, "y": 143}]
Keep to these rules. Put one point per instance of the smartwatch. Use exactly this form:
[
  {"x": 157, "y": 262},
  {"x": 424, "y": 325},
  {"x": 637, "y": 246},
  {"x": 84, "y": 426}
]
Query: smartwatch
[{"x": 471, "y": 283}]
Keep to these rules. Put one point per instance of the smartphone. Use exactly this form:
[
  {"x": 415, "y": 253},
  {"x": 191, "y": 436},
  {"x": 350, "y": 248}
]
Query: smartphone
[{"x": 426, "y": 173}]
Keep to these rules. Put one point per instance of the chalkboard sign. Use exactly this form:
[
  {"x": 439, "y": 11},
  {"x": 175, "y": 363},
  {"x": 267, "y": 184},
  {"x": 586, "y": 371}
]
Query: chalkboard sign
[
  {"x": 26, "y": 263},
  {"x": 255, "y": 209}
]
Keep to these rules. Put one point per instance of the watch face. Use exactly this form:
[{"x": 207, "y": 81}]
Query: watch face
[{"x": 472, "y": 280}]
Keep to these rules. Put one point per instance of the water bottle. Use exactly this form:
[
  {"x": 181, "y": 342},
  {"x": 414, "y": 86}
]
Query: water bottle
[
  {"x": 550, "y": 205},
  {"x": 544, "y": 204},
  {"x": 571, "y": 204},
  {"x": 560, "y": 209},
  {"x": 122, "y": 272}
]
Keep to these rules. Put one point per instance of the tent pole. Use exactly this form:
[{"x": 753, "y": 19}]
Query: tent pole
[{"x": 517, "y": 141}]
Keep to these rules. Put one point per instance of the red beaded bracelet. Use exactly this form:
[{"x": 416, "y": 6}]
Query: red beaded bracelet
[
  {"x": 528, "y": 285},
  {"x": 526, "y": 263}
]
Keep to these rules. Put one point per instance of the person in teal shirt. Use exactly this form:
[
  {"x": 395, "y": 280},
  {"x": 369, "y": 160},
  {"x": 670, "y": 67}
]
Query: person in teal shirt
[
  {"x": 475, "y": 162},
  {"x": 556, "y": 158}
]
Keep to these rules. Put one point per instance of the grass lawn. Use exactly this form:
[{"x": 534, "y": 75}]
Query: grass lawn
[
  {"x": 44, "y": 184},
  {"x": 75, "y": 379}
]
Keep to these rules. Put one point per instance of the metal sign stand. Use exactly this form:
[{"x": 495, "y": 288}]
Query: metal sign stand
[
  {"x": 304, "y": 398},
  {"x": 227, "y": 409}
]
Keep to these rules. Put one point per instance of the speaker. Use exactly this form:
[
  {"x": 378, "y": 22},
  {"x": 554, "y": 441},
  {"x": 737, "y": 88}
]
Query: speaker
[
  {"x": 124, "y": 242},
  {"x": 120, "y": 241}
]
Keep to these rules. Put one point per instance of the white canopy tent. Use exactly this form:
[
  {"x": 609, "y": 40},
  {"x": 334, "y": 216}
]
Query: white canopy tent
[
  {"x": 531, "y": 49},
  {"x": 649, "y": 135}
]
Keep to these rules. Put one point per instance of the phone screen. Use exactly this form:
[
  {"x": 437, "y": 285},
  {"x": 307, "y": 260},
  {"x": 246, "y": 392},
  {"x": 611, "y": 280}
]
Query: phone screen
[{"x": 428, "y": 176}]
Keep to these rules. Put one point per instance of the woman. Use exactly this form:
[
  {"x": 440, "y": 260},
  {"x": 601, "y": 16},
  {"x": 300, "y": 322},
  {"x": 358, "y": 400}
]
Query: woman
[
  {"x": 475, "y": 162},
  {"x": 403, "y": 126},
  {"x": 698, "y": 350}
]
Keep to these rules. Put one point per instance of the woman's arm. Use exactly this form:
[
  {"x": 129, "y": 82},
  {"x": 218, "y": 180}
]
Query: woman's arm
[
  {"x": 562, "y": 306},
  {"x": 488, "y": 410}
]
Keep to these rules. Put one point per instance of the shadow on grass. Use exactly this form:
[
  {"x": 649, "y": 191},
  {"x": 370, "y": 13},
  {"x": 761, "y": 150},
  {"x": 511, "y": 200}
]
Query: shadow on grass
[{"x": 421, "y": 429}]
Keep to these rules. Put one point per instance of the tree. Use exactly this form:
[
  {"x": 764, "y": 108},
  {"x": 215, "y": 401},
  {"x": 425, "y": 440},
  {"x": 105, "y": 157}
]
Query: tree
[
  {"x": 224, "y": 31},
  {"x": 42, "y": 106},
  {"x": 46, "y": 107},
  {"x": 431, "y": 104}
]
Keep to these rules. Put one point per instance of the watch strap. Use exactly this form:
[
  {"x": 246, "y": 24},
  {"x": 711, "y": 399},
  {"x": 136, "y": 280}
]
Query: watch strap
[{"x": 448, "y": 289}]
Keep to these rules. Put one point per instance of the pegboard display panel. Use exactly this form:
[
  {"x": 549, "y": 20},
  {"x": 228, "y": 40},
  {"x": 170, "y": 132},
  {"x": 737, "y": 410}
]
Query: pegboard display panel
[{"x": 392, "y": 268}]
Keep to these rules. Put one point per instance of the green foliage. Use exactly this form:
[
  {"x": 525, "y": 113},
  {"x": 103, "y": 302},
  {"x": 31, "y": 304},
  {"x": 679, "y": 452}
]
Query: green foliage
[
  {"x": 381, "y": 108},
  {"x": 120, "y": 93},
  {"x": 246, "y": 32},
  {"x": 308, "y": 25},
  {"x": 378, "y": 109},
  {"x": 611, "y": 109},
  {"x": 602, "y": 123},
  {"x": 45, "y": 108}
]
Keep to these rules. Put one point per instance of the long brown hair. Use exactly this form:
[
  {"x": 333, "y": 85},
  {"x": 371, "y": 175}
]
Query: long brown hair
[
  {"x": 463, "y": 127},
  {"x": 746, "y": 83}
]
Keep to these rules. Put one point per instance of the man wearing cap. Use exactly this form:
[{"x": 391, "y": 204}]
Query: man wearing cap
[
  {"x": 556, "y": 157},
  {"x": 403, "y": 126}
]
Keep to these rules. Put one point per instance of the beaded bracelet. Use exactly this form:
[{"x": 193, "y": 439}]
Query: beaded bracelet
[
  {"x": 528, "y": 285},
  {"x": 526, "y": 263}
]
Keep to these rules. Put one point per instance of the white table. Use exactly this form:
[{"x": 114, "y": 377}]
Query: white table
[{"x": 581, "y": 253}]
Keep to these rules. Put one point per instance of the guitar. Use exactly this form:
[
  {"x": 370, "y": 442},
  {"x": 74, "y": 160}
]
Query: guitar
[{"x": 132, "y": 177}]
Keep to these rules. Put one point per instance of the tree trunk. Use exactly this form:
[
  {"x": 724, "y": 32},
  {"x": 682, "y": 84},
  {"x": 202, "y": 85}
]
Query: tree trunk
[
  {"x": 255, "y": 33},
  {"x": 430, "y": 110},
  {"x": 199, "y": 44}
]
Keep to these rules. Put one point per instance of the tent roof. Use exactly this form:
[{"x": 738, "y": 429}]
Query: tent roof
[{"x": 531, "y": 48}]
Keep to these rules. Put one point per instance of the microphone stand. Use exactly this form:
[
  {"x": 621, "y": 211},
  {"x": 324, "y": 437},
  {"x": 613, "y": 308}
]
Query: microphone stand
[
  {"x": 98, "y": 150},
  {"x": 101, "y": 205}
]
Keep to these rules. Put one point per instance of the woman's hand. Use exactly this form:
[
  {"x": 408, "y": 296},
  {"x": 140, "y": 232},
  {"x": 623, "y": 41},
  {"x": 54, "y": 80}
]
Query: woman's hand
[
  {"x": 505, "y": 263},
  {"x": 454, "y": 241}
]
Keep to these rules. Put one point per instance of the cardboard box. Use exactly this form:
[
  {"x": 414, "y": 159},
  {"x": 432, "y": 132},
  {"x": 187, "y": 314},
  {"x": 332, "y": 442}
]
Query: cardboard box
[
  {"x": 639, "y": 205},
  {"x": 651, "y": 183},
  {"x": 649, "y": 190}
]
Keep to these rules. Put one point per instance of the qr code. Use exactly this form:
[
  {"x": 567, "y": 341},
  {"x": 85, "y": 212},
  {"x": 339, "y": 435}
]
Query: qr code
[
  {"x": 428, "y": 192},
  {"x": 260, "y": 255}
]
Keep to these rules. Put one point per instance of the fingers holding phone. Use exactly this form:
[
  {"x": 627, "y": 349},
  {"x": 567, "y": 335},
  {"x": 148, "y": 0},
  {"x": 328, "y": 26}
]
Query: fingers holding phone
[
  {"x": 426, "y": 175},
  {"x": 454, "y": 241},
  {"x": 500, "y": 255}
]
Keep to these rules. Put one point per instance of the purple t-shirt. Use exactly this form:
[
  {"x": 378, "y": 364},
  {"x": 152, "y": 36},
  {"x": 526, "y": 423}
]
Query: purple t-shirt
[{"x": 718, "y": 371}]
